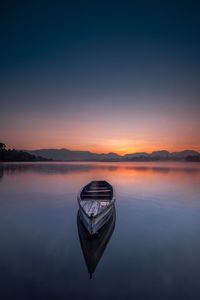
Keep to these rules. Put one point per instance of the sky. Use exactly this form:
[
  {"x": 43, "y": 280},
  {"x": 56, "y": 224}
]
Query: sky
[{"x": 104, "y": 76}]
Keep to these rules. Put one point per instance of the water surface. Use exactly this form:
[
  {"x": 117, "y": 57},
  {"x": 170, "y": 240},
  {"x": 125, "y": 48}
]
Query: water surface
[{"x": 153, "y": 249}]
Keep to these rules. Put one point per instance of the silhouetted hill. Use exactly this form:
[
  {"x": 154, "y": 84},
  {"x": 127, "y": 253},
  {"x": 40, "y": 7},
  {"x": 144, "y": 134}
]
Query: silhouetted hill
[
  {"x": 193, "y": 158},
  {"x": 17, "y": 155},
  {"x": 137, "y": 155},
  {"x": 185, "y": 153},
  {"x": 69, "y": 155}
]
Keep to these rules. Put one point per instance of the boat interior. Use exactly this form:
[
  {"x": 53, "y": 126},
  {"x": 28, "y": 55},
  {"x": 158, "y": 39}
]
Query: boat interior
[{"x": 97, "y": 190}]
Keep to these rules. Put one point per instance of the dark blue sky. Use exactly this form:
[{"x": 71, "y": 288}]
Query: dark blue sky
[{"x": 68, "y": 60}]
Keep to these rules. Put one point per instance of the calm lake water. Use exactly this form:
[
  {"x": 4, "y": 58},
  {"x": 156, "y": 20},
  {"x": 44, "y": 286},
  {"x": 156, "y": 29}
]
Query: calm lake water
[{"x": 151, "y": 251}]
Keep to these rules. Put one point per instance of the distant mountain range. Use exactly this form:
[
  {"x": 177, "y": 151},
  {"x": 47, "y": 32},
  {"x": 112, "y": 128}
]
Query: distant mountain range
[{"x": 70, "y": 155}]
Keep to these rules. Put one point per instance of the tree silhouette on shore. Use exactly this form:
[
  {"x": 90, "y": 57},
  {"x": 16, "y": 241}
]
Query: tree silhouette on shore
[
  {"x": 2, "y": 146},
  {"x": 17, "y": 155}
]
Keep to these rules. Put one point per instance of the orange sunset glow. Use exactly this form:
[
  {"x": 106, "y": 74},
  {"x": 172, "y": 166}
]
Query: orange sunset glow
[
  {"x": 101, "y": 88},
  {"x": 102, "y": 136}
]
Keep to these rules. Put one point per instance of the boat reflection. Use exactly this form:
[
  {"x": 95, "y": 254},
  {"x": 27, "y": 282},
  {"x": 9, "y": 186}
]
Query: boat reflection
[{"x": 93, "y": 247}]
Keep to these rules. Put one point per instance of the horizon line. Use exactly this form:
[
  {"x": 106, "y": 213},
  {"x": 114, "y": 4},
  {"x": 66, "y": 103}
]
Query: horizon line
[{"x": 111, "y": 152}]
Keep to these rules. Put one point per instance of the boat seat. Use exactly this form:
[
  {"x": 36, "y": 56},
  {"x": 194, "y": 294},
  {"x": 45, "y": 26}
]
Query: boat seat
[
  {"x": 97, "y": 194},
  {"x": 97, "y": 187},
  {"x": 86, "y": 198},
  {"x": 97, "y": 191},
  {"x": 97, "y": 197}
]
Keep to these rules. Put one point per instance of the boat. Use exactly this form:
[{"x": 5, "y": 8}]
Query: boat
[
  {"x": 93, "y": 247},
  {"x": 96, "y": 201}
]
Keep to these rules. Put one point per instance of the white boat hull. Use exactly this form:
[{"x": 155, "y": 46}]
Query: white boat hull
[{"x": 93, "y": 224}]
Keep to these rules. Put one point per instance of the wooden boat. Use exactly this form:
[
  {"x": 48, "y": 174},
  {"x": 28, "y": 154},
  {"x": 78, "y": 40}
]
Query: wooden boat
[
  {"x": 96, "y": 201},
  {"x": 93, "y": 247}
]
